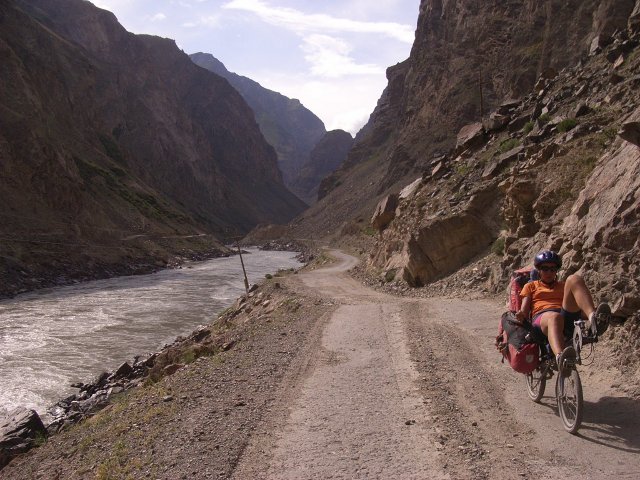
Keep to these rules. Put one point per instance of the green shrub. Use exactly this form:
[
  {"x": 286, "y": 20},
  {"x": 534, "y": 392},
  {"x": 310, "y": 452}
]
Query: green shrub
[
  {"x": 567, "y": 124},
  {"x": 610, "y": 133},
  {"x": 498, "y": 246},
  {"x": 462, "y": 169},
  {"x": 268, "y": 276},
  {"x": 544, "y": 118},
  {"x": 390, "y": 275},
  {"x": 508, "y": 144},
  {"x": 527, "y": 127}
]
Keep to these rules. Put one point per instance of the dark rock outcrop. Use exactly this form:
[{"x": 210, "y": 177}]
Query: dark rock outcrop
[{"x": 325, "y": 158}]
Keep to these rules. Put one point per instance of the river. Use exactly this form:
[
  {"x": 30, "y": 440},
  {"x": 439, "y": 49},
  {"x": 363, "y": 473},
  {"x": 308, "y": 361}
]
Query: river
[{"x": 54, "y": 337}]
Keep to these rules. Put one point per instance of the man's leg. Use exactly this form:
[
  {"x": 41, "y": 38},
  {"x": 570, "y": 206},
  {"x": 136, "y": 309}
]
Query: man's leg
[{"x": 552, "y": 325}]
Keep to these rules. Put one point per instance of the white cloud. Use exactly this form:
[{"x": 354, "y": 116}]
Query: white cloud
[
  {"x": 301, "y": 22},
  {"x": 204, "y": 21},
  {"x": 342, "y": 103},
  {"x": 329, "y": 57},
  {"x": 158, "y": 17}
]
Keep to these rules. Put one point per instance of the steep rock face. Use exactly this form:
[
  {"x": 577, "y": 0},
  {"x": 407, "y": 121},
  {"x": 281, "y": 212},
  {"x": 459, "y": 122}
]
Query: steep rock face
[
  {"x": 460, "y": 45},
  {"x": 287, "y": 125},
  {"x": 324, "y": 159},
  {"x": 118, "y": 144},
  {"x": 566, "y": 178}
]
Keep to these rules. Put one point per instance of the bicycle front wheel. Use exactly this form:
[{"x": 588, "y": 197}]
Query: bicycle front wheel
[
  {"x": 569, "y": 396},
  {"x": 536, "y": 383}
]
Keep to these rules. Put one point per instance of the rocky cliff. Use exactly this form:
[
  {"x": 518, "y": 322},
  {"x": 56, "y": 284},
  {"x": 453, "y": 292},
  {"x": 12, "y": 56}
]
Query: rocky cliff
[
  {"x": 557, "y": 168},
  {"x": 512, "y": 127},
  {"x": 288, "y": 126},
  {"x": 117, "y": 150},
  {"x": 329, "y": 154},
  {"x": 462, "y": 47}
]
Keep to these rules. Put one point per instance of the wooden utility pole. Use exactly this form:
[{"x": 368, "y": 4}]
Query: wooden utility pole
[
  {"x": 481, "y": 96},
  {"x": 246, "y": 282}
]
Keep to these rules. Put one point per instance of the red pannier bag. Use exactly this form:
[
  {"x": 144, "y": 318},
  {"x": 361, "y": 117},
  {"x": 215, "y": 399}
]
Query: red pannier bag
[
  {"x": 516, "y": 343},
  {"x": 518, "y": 280}
]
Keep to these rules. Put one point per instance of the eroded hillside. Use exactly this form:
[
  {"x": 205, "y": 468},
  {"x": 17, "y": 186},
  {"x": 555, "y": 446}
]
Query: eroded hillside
[{"x": 118, "y": 153}]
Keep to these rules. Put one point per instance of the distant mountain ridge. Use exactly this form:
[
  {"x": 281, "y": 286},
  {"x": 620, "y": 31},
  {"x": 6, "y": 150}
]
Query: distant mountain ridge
[
  {"x": 287, "y": 125},
  {"x": 118, "y": 144}
]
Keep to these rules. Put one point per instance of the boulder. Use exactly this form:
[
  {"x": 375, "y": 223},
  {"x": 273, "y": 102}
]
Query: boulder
[
  {"x": 598, "y": 43},
  {"x": 497, "y": 163},
  {"x": 581, "y": 109},
  {"x": 518, "y": 123},
  {"x": 470, "y": 136},
  {"x": 496, "y": 121},
  {"x": 626, "y": 306},
  {"x": 123, "y": 370},
  {"x": 20, "y": 430},
  {"x": 385, "y": 212},
  {"x": 507, "y": 106},
  {"x": 444, "y": 244},
  {"x": 438, "y": 170},
  {"x": 410, "y": 189},
  {"x": 630, "y": 132}
]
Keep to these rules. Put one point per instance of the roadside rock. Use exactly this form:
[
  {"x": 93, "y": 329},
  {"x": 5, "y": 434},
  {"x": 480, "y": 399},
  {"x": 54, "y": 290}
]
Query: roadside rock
[
  {"x": 19, "y": 431},
  {"x": 385, "y": 212}
]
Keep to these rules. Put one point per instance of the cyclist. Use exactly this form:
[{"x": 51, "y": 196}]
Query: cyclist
[{"x": 554, "y": 305}]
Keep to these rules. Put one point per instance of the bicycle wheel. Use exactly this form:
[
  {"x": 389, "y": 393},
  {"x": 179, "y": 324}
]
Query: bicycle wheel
[
  {"x": 569, "y": 396},
  {"x": 536, "y": 383}
]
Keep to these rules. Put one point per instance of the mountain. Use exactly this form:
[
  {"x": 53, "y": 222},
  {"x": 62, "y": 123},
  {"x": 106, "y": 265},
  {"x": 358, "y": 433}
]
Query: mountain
[
  {"x": 117, "y": 151},
  {"x": 330, "y": 152},
  {"x": 460, "y": 46},
  {"x": 287, "y": 125}
]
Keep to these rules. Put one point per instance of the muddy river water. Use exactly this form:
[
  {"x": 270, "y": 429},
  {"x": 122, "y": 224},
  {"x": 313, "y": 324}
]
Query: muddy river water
[{"x": 54, "y": 337}]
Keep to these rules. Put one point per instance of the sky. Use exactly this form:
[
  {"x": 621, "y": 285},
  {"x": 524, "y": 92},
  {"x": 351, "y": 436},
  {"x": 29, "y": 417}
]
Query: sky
[{"x": 329, "y": 54}]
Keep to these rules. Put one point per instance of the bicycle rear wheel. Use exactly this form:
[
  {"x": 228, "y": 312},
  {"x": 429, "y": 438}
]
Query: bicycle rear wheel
[
  {"x": 536, "y": 383},
  {"x": 569, "y": 396}
]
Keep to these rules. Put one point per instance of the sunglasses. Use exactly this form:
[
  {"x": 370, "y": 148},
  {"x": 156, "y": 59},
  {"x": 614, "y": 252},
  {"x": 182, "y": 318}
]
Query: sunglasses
[{"x": 548, "y": 269}]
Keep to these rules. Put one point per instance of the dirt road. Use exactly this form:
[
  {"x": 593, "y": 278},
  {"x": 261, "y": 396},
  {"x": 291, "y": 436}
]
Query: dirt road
[
  {"x": 321, "y": 377},
  {"x": 407, "y": 388}
]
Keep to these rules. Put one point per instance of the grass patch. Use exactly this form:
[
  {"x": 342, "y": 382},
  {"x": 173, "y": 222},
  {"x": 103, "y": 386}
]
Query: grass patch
[
  {"x": 369, "y": 230},
  {"x": 544, "y": 118},
  {"x": 527, "y": 127},
  {"x": 390, "y": 275},
  {"x": 463, "y": 169},
  {"x": 610, "y": 133},
  {"x": 508, "y": 144},
  {"x": 498, "y": 246},
  {"x": 589, "y": 163},
  {"x": 566, "y": 125}
]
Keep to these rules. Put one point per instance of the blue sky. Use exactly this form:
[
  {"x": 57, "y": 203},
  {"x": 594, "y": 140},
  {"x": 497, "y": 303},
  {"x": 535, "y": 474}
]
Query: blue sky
[{"x": 331, "y": 55}]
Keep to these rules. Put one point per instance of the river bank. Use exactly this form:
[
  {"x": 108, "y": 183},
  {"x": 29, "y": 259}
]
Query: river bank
[{"x": 237, "y": 351}]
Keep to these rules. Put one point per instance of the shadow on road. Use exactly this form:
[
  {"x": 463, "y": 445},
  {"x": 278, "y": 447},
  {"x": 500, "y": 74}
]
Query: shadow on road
[{"x": 613, "y": 422}]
